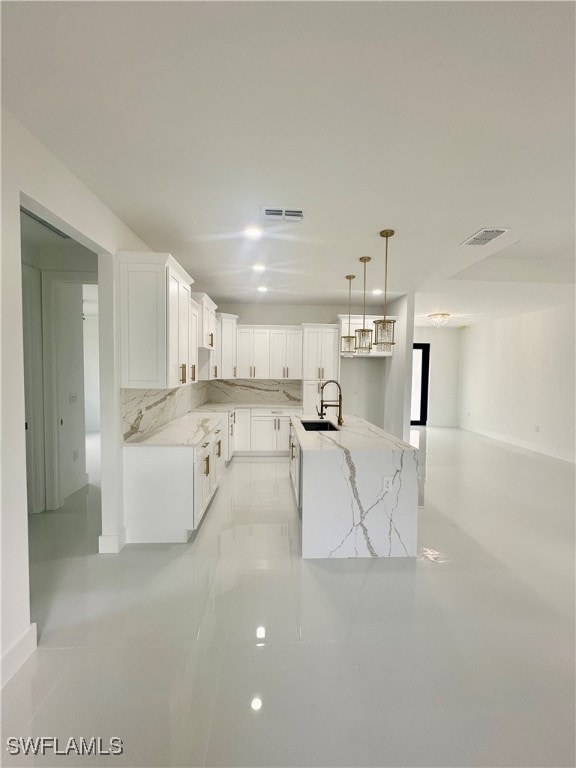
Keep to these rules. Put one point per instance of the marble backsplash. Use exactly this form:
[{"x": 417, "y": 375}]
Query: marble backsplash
[
  {"x": 144, "y": 410},
  {"x": 256, "y": 392}
]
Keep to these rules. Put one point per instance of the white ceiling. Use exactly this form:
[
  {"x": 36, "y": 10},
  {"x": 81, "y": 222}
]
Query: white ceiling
[{"x": 434, "y": 118}]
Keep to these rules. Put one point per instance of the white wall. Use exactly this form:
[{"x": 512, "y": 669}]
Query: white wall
[
  {"x": 517, "y": 374},
  {"x": 282, "y": 314},
  {"x": 444, "y": 373},
  {"x": 397, "y": 390},
  {"x": 34, "y": 177}
]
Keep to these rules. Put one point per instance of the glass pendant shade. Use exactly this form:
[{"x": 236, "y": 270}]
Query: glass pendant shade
[
  {"x": 348, "y": 343},
  {"x": 363, "y": 341},
  {"x": 384, "y": 328},
  {"x": 364, "y": 335},
  {"x": 384, "y": 335}
]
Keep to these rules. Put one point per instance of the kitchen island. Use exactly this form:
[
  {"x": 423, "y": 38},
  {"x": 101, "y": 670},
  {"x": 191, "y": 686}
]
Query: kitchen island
[{"x": 357, "y": 488}]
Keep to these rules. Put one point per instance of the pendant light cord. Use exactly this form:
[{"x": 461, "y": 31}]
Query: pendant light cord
[
  {"x": 364, "y": 315},
  {"x": 385, "y": 277}
]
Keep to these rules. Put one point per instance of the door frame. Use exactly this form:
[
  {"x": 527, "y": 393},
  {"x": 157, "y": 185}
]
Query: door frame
[
  {"x": 421, "y": 422},
  {"x": 50, "y": 279}
]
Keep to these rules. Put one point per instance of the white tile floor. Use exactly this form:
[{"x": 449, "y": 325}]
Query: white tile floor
[{"x": 462, "y": 657}]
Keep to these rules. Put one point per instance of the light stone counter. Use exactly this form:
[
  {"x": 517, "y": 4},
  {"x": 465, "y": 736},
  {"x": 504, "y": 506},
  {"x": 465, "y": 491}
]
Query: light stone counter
[
  {"x": 189, "y": 430},
  {"x": 359, "y": 491}
]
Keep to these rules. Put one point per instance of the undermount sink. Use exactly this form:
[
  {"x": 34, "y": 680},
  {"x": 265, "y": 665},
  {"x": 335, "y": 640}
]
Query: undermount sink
[{"x": 319, "y": 426}]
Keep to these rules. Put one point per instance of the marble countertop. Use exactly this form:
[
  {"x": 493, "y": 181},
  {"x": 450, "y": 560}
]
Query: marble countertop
[
  {"x": 189, "y": 431},
  {"x": 354, "y": 435}
]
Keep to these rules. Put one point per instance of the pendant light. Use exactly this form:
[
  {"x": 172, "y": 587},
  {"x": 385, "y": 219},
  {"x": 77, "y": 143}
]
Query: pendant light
[
  {"x": 384, "y": 329},
  {"x": 364, "y": 335},
  {"x": 348, "y": 343}
]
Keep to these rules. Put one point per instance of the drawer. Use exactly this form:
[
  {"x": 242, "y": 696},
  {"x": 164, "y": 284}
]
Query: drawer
[{"x": 279, "y": 411}]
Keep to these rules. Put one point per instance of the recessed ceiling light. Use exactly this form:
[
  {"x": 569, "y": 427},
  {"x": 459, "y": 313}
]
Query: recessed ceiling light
[
  {"x": 253, "y": 232},
  {"x": 258, "y": 267},
  {"x": 256, "y": 704},
  {"x": 262, "y": 288},
  {"x": 377, "y": 292}
]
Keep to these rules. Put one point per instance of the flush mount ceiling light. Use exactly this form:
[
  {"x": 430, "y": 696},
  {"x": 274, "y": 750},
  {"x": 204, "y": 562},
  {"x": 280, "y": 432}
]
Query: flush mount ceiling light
[
  {"x": 254, "y": 233},
  {"x": 364, "y": 335},
  {"x": 348, "y": 342},
  {"x": 262, "y": 288},
  {"x": 439, "y": 319},
  {"x": 384, "y": 329},
  {"x": 377, "y": 292},
  {"x": 258, "y": 267}
]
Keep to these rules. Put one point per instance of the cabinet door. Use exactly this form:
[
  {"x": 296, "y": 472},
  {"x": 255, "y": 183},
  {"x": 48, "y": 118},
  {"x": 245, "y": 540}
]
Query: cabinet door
[
  {"x": 242, "y": 430},
  {"x": 261, "y": 353},
  {"x": 178, "y": 334},
  {"x": 228, "y": 348},
  {"x": 193, "y": 354},
  {"x": 208, "y": 326},
  {"x": 310, "y": 397},
  {"x": 243, "y": 353},
  {"x": 293, "y": 354},
  {"x": 263, "y": 433},
  {"x": 283, "y": 433},
  {"x": 215, "y": 370},
  {"x": 312, "y": 355},
  {"x": 199, "y": 502},
  {"x": 278, "y": 354},
  {"x": 330, "y": 354}
]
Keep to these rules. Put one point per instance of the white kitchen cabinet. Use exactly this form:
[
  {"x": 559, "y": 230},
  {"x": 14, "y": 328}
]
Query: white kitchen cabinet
[
  {"x": 193, "y": 355},
  {"x": 167, "y": 488},
  {"x": 207, "y": 321},
  {"x": 321, "y": 357},
  {"x": 294, "y": 447},
  {"x": 285, "y": 353},
  {"x": 242, "y": 430},
  {"x": 270, "y": 429},
  {"x": 253, "y": 352},
  {"x": 154, "y": 301},
  {"x": 227, "y": 345},
  {"x": 311, "y": 397}
]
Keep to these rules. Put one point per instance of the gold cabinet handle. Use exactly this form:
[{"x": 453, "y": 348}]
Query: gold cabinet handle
[
  {"x": 219, "y": 452},
  {"x": 234, "y": 417},
  {"x": 234, "y": 371},
  {"x": 291, "y": 450},
  {"x": 231, "y": 430},
  {"x": 215, "y": 371},
  {"x": 217, "y": 432},
  {"x": 183, "y": 373},
  {"x": 193, "y": 373},
  {"x": 287, "y": 372},
  {"x": 207, "y": 466},
  {"x": 211, "y": 339},
  {"x": 205, "y": 444},
  {"x": 319, "y": 374}
]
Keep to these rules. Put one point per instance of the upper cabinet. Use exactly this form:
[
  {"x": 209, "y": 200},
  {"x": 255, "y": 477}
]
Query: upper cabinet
[
  {"x": 286, "y": 353},
  {"x": 194, "y": 325},
  {"x": 154, "y": 306},
  {"x": 321, "y": 359},
  {"x": 227, "y": 361},
  {"x": 207, "y": 331},
  {"x": 253, "y": 352}
]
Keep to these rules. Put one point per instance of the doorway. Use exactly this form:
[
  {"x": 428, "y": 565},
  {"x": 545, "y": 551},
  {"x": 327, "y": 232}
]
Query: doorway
[
  {"x": 61, "y": 366},
  {"x": 420, "y": 372}
]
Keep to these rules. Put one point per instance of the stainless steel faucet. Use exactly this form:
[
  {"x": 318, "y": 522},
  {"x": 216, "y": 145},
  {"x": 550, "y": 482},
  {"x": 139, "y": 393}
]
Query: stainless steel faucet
[{"x": 327, "y": 404}]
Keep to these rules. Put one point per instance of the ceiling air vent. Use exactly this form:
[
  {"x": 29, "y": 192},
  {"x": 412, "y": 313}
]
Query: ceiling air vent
[
  {"x": 484, "y": 236},
  {"x": 283, "y": 214}
]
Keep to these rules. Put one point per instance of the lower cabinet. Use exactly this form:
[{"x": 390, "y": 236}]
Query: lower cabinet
[
  {"x": 167, "y": 489},
  {"x": 270, "y": 433},
  {"x": 241, "y": 430},
  {"x": 295, "y": 466}
]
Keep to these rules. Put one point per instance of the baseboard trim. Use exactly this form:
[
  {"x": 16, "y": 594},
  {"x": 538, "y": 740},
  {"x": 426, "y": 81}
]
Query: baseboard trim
[
  {"x": 112, "y": 545},
  {"x": 527, "y": 445},
  {"x": 15, "y": 656}
]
